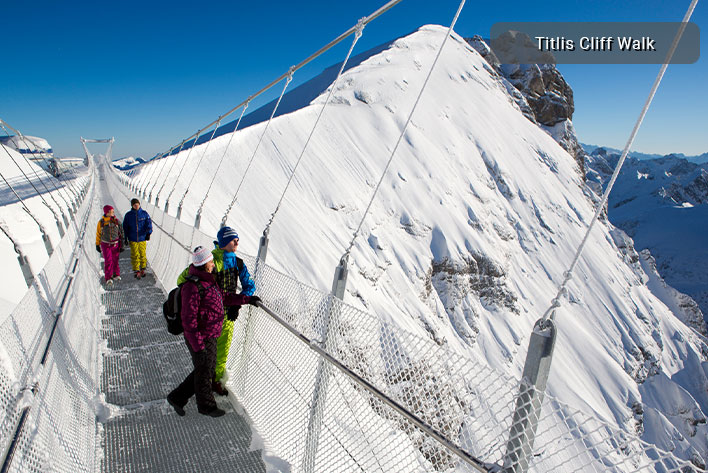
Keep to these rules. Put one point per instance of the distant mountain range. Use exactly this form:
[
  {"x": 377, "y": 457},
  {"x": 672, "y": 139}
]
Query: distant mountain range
[
  {"x": 662, "y": 203},
  {"x": 702, "y": 158},
  {"x": 125, "y": 164}
]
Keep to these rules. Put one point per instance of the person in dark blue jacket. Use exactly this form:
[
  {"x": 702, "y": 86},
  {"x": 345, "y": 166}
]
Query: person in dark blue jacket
[{"x": 137, "y": 227}]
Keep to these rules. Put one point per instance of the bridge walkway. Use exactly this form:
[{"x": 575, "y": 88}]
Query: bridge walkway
[{"x": 142, "y": 362}]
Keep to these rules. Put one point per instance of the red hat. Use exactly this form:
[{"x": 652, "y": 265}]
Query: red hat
[{"x": 106, "y": 209}]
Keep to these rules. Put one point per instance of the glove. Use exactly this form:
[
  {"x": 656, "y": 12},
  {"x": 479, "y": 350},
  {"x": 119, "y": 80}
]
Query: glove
[
  {"x": 253, "y": 300},
  {"x": 98, "y": 248},
  {"x": 126, "y": 242},
  {"x": 232, "y": 312},
  {"x": 147, "y": 237}
]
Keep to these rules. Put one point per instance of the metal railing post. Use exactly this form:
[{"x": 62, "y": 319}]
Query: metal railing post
[
  {"x": 319, "y": 392},
  {"x": 532, "y": 389}
]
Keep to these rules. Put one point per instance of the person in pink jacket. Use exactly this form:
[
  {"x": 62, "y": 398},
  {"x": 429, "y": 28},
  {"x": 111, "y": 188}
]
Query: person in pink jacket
[
  {"x": 109, "y": 242},
  {"x": 202, "y": 317}
]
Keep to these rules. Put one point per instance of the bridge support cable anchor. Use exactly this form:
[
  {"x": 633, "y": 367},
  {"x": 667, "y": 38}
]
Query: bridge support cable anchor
[
  {"x": 532, "y": 389},
  {"x": 21, "y": 259}
]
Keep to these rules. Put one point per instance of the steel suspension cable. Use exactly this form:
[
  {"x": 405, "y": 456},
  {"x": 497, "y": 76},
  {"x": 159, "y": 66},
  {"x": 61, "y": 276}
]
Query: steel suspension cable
[
  {"x": 206, "y": 148},
  {"x": 357, "y": 35},
  {"x": 41, "y": 227},
  {"x": 56, "y": 217},
  {"x": 231, "y": 137},
  {"x": 265, "y": 129},
  {"x": 5, "y": 127},
  {"x": 39, "y": 178},
  {"x": 345, "y": 256},
  {"x": 156, "y": 163},
  {"x": 568, "y": 274},
  {"x": 179, "y": 174},
  {"x": 310, "y": 58},
  {"x": 169, "y": 170}
]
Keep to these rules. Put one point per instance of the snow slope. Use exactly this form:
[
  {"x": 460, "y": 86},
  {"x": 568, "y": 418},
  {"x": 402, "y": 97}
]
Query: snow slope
[{"x": 475, "y": 222}]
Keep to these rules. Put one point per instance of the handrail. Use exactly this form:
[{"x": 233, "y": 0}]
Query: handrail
[{"x": 414, "y": 419}]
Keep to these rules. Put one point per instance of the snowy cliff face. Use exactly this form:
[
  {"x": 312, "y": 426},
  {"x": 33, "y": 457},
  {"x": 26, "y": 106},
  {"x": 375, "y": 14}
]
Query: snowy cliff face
[
  {"x": 542, "y": 94},
  {"x": 662, "y": 204},
  {"x": 466, "y": 243}
]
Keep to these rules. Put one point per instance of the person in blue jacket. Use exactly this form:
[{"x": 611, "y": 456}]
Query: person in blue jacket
[
  {"x": 137, "y": 227},
  {"x": 229, "y": 271}
]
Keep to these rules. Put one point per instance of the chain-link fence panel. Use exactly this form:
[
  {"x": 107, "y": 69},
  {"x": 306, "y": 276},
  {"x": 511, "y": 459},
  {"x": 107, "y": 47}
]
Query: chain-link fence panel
[
  {"x": 48, "y": 385},
  {"x": 334, "y": 388}
]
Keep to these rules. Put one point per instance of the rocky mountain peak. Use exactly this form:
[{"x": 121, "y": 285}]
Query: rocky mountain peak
[{"x": 545, "y": 94}]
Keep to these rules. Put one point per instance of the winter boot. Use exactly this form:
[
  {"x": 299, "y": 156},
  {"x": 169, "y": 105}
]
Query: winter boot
[
  {"x": 137, "y": 274},
  {"x": 178, "y": 409},
  {"x": 215, "y": 412}
]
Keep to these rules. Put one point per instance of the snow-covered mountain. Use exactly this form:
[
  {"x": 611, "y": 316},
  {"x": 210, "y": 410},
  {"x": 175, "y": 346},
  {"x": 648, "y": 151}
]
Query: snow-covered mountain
[
  {"x": 29, "y": 145},
  {"x": 127, "y": 163},
  {"x": 467, "y": 240},
  {"x": 662, "y": 204}
]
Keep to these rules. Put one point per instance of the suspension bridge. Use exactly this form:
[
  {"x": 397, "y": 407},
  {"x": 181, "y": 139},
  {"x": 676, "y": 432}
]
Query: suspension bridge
[{"x": 325, "y": 385}]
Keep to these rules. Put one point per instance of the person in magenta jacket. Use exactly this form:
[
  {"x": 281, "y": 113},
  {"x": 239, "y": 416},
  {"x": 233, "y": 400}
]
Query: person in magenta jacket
[{"x": 202, "y": 313}]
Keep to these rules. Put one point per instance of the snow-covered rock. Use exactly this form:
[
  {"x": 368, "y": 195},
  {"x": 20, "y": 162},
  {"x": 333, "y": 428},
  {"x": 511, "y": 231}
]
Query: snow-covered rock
[{"x": 547, "y": 97}]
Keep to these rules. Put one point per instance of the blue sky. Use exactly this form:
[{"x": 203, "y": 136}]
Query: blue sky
[{"x": 152, "y": 74}]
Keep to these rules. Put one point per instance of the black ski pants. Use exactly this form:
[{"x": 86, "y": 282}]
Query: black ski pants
[{"x": 198, "y": 382}]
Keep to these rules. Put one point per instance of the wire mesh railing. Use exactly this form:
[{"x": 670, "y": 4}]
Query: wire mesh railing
[
  {"x": 49, "y": 360},
  {"x": 278, "y": 373}
]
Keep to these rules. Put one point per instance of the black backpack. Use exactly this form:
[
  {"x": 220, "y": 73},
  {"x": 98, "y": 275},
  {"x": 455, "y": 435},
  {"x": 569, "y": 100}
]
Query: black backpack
[{"x": 172, "y": 307}]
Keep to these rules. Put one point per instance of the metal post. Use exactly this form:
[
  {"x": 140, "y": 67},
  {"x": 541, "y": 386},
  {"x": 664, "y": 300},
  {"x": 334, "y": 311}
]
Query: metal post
[
  {"x": 519, "y": 448},
  {"x": 262, "y": 250},
  {"x": 319, "y": 393},
  {"x": 47, "y": 243},
  {"x": 25, "y": 267},
  {"x": 59, "y": 227},
  {"x": 198, "y": 220}
]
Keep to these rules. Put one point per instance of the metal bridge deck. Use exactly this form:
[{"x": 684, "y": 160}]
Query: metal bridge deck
[{"x": 142, "y": 363}]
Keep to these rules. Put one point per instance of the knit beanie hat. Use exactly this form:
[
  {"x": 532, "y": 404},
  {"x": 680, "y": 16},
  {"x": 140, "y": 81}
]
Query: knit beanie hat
[
  {"x": 225, "y": 235},
  {"x": 134, "y": 201},
  {"x": 106, "y": 209},
  {"x": 201, "y": 256}
]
